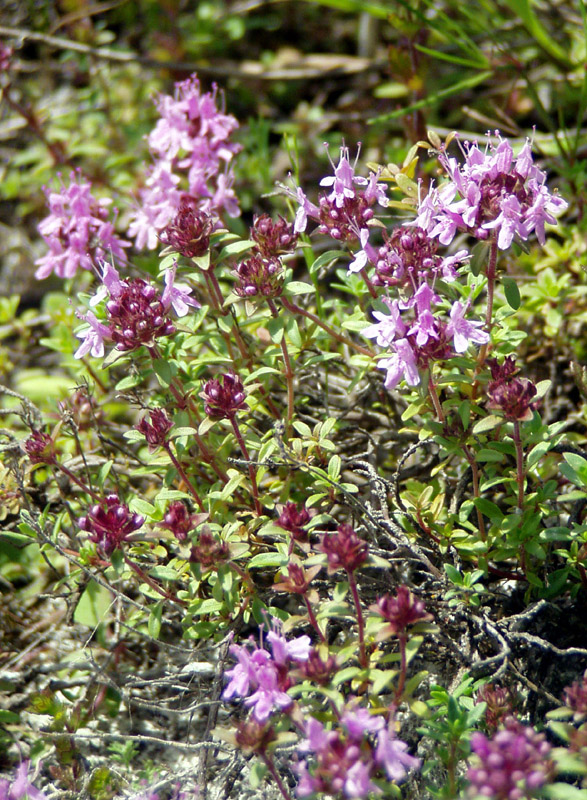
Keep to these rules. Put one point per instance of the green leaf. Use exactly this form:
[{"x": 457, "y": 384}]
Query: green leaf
[
  {"x": 536, "y": 453},
  {"x": 489, "y": 455},
  {"x": 489, "y": 509},
  {"x": 93, "y": 605},
  {"x": 268, "y": 560},
  {"x": 512, "y": 293},
  {"x": 275, "y": 327},
  {"x": 432, "y": 98},
  {"x": 154, "y": 624},
  {"x": 236, "y": 248},
  {"x": 297, "y": 287},
  {"x": 541, "y": 36},
  {"x": 487, "y": 424},
  {"x": 164, "y": 370}
]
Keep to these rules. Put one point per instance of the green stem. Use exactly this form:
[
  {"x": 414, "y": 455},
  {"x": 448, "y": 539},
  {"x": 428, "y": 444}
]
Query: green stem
[
  {"x": 403, "y": 667},
  {"x": 520, "y": 477}
]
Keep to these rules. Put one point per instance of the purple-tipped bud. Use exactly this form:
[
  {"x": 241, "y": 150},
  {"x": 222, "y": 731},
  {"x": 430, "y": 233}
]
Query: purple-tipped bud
[
  {"x": 320, "y": 666},
  {"x": 258, "y": 276},
  {"x": 575, "y": 696},
  {"x": 514, "y": 398},
  {"x": 499, "y": 704},
  {"x": 400, "y": 611},
  {"x": 40, "y": 448},
  {"x": 503, "y": 372},
  {"x": 178, "y": 520},
  {"x": 273, "y": 238},
  {"x": 156, "y": 431},
  {"x": 189, "y": 231},
  {"x": 110, "y": 524},
  {"x": 254, "y": 737},
  {"x": 137, "y": 316},
  {"x": 344, "y": 549},
  {"x": 293, "y": 519},
  {"x": 208, "y": 551},
  {"x": 223, "y": 397},
  {"x": 82, "y": 408}
]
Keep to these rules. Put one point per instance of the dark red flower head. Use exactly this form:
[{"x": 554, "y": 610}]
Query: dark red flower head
[
  {"x": 223, "y": 397},
  {"x": 400, "y": 611},
  {"x": 259, "y": 276},
  {"x": 320, "y": 666},
  {"x": 156, "y": 431},
  {"x": 514, "y": 398},
  {"x": 209, "y": 551},
  {"x": 499, "y": 702},
  {"x": 293, "y": 519},
  {"x": 344, "y": 549},
  {"x": 110, "y": 523},
  {"x": 40, "y": 448},
  {"x": 254, "y": 737},
  {"x": 137, "y": 316},
  {"x": 273, "y": 237},
  {"x": 178, "y": 520},
  {"x": 575, "y": 696},
  {"x": 189, "y": 231}
]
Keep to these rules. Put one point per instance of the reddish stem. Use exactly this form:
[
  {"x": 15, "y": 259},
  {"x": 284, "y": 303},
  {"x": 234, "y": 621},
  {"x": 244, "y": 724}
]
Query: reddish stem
[
  {"x": 363, "y": 661},
  {"x": 252, "y": 471},
  {"x": 182, "y": 474},
  {"x": 295, "y": 309},
  {"x": 287, "y": 363}
]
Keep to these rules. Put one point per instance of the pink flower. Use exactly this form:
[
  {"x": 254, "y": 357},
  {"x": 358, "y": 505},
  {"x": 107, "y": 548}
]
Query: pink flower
[
  {"x": 400, "y": 365},
  {"x": 177, "y": 294},
  {"x": 191, "y": 143},
  {"x": 495, "y": 192},
  {"x": 391, "y": 755},
  {"x": 77, "y": 231},
  {"x": 93, "y": 337},
  {"x": 463, "y": 331},
  {"x": 263, "y": 678}
]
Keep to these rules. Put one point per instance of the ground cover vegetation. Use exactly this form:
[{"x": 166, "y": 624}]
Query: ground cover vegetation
[{"x": 293, "y": 406}]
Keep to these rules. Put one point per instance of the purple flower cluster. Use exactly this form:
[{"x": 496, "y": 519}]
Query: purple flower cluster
[
  {"x": 110, "y": 524},
  {"x": 345, "y": 762},
  {"x": 513, "y": 763},
  {"x": 418, "y": 333},
  {"x": 77, "y": 231},
  {"x": 192, "y": 150},
  {"x": 136, "y": 312},
  {"x": 263, "y": 677},
  {"x": 21, "y": 787},
  {"x": 344, "y": 212},
  {"x": 491, "y": 191}
]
